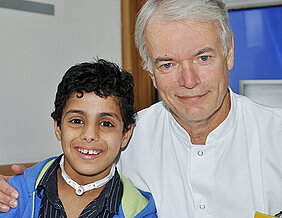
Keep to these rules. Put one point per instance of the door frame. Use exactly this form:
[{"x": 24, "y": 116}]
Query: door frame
[{"x": 131, "y": 60}]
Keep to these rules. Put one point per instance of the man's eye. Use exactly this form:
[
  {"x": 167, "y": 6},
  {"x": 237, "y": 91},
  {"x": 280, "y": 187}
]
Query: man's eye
[
  {"x": 204, "y": 58},
  {"x": 77, "y": 121},
  {"x": 166, "y": 66},
  {"x": 107, "y": 124}
]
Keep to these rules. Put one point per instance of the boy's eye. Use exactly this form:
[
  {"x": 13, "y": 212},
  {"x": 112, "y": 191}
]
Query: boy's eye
[
  {"x": 106, "y": 124},
  {"x": 76, "y": 121}
]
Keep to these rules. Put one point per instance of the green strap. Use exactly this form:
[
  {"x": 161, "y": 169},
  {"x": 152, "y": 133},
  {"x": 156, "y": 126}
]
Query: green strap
[
  {"x": 132, "y": 200},
  {"x": 33, "y": 204},
  {"x": 43, "y": 170},
  {"x": 47, "y": 165}
]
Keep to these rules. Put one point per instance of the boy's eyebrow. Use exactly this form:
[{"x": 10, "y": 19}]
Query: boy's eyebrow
[
  {"x": 102, "y": 114},
  {"x": 75, "y": 112},
  {"x": 110, "y": 114}
]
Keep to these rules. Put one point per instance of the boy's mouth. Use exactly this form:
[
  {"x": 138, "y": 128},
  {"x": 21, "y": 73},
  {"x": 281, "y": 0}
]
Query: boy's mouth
[{"x": 86, "y": 151}]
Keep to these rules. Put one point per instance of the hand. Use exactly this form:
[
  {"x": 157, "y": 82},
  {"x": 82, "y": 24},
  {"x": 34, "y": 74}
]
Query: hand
[
  {"x": 18, "y": 169},
  {"x": 8, "y": 194}
]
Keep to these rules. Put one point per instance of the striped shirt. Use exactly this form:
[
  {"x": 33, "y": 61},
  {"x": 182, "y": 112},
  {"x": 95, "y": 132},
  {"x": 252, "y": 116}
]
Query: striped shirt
[{"x": 105, "y": 205}]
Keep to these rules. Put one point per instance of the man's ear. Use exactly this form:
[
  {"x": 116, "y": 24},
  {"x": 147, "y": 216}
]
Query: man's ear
[
  {"x": 126, "y": 136},
  {"x": 58, "y": 131},
  {"x": 152, "y": 75},
  {"x": 230, "y": 54}
]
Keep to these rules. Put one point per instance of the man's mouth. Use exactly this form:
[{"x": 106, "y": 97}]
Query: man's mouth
[
  {"x": 88, "y": 151},
  {"x": 192, "y": 98}
]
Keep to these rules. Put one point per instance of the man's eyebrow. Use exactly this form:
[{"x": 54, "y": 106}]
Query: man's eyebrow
[
  {"x": 204, "y": 50},
  {"x": 160, "y": 59}
]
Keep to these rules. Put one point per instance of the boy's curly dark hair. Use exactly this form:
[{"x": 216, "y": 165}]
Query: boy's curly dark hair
[{"x": 104, "y": 79}]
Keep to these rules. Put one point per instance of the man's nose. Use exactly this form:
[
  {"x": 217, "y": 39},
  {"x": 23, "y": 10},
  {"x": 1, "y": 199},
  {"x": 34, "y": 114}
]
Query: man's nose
[{"x": 188, "y": 75}]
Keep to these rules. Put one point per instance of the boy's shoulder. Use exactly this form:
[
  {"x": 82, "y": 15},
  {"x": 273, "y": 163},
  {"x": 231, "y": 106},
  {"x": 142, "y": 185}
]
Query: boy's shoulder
[
  {"x": 32, "y": 175},
  {"x": 135, "y": 202},
  {"x": 26, "y": 186}
]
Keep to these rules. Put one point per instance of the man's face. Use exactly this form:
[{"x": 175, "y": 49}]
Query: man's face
[
  {"x": 91, "y": 135},
  {"x": 190, "y": 71}
]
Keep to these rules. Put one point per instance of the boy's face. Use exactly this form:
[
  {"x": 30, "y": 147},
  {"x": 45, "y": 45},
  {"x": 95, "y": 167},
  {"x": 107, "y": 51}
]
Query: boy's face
[{"x": 91, "y": 135}]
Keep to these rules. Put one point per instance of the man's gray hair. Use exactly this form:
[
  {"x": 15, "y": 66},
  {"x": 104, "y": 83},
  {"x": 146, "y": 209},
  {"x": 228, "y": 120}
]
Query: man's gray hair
[{"x": 177, "y": 10}]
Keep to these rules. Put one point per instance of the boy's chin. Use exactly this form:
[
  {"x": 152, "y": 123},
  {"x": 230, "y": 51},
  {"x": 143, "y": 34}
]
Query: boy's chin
[{"x": 91, "y": 172}]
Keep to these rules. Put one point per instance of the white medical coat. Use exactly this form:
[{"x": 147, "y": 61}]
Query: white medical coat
[{"x": 237, "y": 172}]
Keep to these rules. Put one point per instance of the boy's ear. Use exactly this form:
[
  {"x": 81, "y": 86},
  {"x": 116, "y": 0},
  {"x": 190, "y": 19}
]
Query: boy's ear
[
  {"x": 58, "y": 131},
  {"x": 126, "y": 136}
]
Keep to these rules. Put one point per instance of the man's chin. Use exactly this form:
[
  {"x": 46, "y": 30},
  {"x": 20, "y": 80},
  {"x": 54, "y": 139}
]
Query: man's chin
[{"x": 191, "y": 115}]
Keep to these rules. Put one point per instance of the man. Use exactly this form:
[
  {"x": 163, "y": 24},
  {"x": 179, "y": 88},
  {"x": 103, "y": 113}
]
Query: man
[{"x": 203, "y": 151}]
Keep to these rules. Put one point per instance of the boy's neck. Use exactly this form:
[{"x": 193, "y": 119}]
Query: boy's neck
[
  {"x": 74, "y": 204},
  {"x": 80, "y": 189}
]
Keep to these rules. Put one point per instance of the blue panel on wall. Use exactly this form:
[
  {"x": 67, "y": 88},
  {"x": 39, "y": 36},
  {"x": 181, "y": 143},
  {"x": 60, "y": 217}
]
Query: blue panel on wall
[{"x": 258, "y": 44}]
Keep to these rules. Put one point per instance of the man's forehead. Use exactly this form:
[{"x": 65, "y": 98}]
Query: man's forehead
[
  {"x": 157, "y": 20},
  {"x": 189, "y": 37}
]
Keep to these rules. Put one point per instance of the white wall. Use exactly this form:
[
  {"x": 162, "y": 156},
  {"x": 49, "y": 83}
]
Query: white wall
[
  {"x": 238, "y": 4},
  {"x": 35, "y": 51}
]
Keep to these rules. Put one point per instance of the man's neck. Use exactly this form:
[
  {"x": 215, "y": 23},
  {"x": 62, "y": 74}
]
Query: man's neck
[{"x": 199, "y": 130}]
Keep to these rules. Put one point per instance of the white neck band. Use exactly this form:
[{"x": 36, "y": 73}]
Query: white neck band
[{"x": 80, "y": 189}]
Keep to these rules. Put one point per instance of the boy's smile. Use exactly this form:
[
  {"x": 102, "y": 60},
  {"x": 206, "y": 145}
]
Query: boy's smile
[{"x": 91, "y": 134}]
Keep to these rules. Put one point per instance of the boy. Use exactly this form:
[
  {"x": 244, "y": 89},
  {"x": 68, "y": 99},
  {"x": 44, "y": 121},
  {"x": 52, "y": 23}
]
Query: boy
[{"x": 93, "y": 119}]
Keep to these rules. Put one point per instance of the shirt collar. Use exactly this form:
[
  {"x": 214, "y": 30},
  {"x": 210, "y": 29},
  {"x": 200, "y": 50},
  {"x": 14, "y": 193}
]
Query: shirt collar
[
  {"x": 49, "y": 182},
  {"x": 218, "y": 133},
  {"x": 227, "y": 125},
  {"x": 110, "y": 197},
  {"x": 113, "y": 191}
]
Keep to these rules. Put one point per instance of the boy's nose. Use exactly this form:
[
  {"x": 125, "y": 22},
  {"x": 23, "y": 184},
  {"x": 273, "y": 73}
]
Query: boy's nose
[{"x": 90, "y": 133}]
